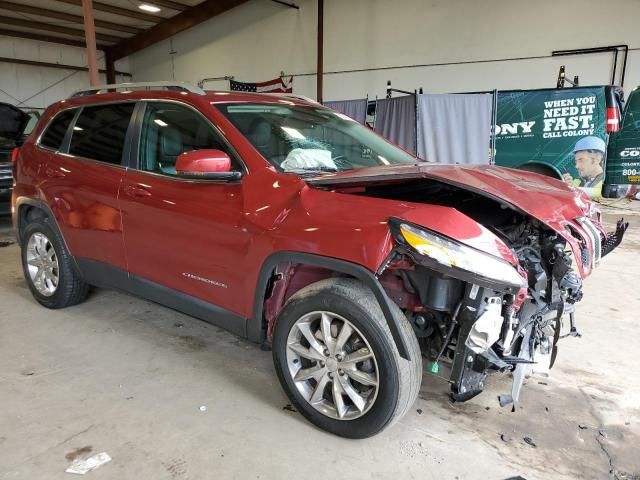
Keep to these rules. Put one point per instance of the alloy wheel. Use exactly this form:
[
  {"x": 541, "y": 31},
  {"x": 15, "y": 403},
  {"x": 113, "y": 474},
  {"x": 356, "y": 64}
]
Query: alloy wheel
[
  {"x": 42, "y": 264},
  {"x": 332, "y": 365}
]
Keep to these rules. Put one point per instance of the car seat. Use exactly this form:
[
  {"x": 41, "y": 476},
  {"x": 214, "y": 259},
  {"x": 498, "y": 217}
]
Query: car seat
[{"x": 170, "y": 147}]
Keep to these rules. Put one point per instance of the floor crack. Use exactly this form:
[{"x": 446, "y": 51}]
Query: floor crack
[{"x": 612, "y": 470}]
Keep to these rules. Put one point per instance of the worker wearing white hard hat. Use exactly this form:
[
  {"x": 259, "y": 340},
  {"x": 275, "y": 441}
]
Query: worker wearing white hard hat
[{"x": 589, "y": 157}]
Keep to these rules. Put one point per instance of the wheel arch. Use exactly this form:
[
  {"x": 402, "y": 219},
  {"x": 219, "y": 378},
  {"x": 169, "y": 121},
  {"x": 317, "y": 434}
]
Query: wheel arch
[
  {"x": 28, "y": 209},
  {"x": 256, "y": 330}
]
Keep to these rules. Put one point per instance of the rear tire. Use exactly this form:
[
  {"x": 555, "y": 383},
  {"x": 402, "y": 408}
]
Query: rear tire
[
  {"x": 333, "y": 388},
  {"x": 48, "y": 266}
]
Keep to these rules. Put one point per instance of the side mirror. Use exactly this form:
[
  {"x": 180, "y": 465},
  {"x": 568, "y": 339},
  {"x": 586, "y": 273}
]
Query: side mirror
[{"x": 206, "y": 164}]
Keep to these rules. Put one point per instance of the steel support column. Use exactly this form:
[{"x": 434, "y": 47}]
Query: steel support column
[
  {"x": 90, "y": 38},
  {"x": 320, "y": 46}
]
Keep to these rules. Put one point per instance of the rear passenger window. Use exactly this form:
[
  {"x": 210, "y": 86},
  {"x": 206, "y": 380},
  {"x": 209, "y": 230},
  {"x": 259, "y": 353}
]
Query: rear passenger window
[
  {"x": 99, "y": 132},
  {"x": 55, "y": 132}
]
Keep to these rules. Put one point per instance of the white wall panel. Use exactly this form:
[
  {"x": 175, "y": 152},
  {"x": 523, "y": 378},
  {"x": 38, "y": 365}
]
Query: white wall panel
[
  {"x": 255, "y": 41},
  {"x": 44, "y": 84}
]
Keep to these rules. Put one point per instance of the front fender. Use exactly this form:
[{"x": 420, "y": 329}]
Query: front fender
[{"x": 255, "y": 328}]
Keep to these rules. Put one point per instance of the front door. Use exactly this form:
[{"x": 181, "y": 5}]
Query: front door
[{"x": 180, "y": 234}]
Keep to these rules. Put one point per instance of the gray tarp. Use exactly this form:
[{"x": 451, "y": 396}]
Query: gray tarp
[
  {"x": 356, "y": 109},
  {"x": 454, "y": 128},
  {"x": 396, "y": 121}
]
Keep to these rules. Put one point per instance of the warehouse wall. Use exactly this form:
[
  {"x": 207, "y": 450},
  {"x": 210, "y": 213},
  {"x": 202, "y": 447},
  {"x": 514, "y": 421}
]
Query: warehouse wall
[
  {"x": 37, "y": 87},
  {"x": 478, "y": 42}
]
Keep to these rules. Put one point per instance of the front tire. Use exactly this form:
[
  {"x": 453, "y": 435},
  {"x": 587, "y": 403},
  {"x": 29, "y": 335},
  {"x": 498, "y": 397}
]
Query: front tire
[
  {"x": 338, "y": 363},
  {"x": 48, "y": 267}
]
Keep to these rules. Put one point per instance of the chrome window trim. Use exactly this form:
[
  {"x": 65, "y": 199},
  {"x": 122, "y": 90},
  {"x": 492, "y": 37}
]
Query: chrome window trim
[
  {"x": 79, "y": 107},
  {"x": 92, "y": 160},
  {"x": 244, "y": 169},
  {"x": 187, "y": 180}
]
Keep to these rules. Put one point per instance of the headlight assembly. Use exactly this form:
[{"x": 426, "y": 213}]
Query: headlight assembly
[{"x": 456, "y": 259}]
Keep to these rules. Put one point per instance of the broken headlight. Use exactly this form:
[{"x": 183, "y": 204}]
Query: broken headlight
[{"x": 456, "y": 259}]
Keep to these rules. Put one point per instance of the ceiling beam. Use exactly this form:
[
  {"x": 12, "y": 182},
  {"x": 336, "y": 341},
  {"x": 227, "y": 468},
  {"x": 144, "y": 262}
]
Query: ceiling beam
[
  {"x": 18, "y": 22},
  {"x": 46, "y": 38},
  {"x": 169, "y": 4},
  {"x": 181, "y": 22},
  {"x": 45, "y": 12},
  {"x": 123, "y": 12},
  {"x": 61, "y": 66}
]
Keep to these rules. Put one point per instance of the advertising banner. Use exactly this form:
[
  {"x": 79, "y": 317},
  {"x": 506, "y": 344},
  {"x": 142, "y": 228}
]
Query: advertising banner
[{"x": 564, "y": 129}]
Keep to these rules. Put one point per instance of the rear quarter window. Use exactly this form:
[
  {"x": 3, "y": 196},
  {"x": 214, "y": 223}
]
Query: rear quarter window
[{"x": 55, "y": 132}]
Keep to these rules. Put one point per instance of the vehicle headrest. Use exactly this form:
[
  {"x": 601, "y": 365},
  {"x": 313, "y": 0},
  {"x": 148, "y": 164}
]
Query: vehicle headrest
[
  {"x": 260, "y": 132},
  {"x": 171, "y": 142}
]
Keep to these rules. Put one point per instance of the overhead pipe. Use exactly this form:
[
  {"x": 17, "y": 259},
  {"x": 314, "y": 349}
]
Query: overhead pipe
[{"x": 609, "y": 48}]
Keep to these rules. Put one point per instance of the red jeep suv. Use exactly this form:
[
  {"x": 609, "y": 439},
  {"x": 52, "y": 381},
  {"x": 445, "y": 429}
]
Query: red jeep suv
[{"x": 294, "y": 226}]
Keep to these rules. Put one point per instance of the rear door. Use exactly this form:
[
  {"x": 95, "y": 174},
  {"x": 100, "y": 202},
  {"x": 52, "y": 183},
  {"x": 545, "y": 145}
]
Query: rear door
[{"x": 81, "y": 183}]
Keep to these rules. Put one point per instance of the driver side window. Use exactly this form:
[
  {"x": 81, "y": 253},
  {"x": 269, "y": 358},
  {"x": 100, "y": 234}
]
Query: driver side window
[{"x": 168, "y": 130}]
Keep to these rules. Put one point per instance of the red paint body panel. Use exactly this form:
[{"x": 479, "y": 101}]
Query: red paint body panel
[
  {"x": 177, "y": 232},
  {"x": 551, "y": 201},
  {"x": 203, "y": 161}
]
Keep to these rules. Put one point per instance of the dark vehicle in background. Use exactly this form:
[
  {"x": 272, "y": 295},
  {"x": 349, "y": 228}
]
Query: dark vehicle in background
[{"x": 14, "y": 125}]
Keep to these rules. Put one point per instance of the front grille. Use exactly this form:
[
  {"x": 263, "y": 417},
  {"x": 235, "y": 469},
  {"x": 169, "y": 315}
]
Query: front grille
[{"x": 594, "y": 240}]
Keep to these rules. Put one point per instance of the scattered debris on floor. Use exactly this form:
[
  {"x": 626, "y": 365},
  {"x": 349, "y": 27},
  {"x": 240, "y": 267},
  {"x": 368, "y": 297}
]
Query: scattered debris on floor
[
  {"x": 419, "y": 411},
  {"x": 81, "y": 466},
  {"x": 505, "y": 438},
  {"x": 78, "y": 452},
  {"x": 289, "y": 408},
  {"x": 6, "y": 243},
  {"x": 529, "y": 441},
  {"x": 203, "y": 408}
]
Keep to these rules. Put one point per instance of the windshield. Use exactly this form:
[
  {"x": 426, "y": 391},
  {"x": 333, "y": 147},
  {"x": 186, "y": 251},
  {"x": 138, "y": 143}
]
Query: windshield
[{"x": 310, "y": 139}]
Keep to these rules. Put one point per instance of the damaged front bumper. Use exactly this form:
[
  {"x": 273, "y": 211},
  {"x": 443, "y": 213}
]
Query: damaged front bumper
[{"x": 613, "y": 239}]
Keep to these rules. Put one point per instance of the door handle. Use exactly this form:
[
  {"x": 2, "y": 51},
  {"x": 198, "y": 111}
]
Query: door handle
[
  {"x": 53, "y": 173},
  {"x": 138, "y": 192}
]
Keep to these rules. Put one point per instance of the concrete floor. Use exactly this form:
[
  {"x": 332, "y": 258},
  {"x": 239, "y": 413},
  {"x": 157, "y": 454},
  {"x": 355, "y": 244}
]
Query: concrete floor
[{"x": 121, "y": 375}]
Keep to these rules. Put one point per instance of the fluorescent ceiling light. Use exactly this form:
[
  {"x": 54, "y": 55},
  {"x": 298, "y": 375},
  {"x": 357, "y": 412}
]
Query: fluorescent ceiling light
[
  {"x": 161, "y": 123},
  {"x": 148, "y": 8}
]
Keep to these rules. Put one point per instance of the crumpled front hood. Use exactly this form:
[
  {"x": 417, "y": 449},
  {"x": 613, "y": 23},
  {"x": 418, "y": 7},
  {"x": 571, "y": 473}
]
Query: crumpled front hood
[{"x": 546, "y": 199}]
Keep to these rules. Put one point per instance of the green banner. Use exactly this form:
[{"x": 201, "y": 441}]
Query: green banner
[{"x": 540, "y": 129}]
